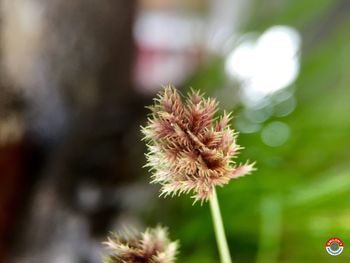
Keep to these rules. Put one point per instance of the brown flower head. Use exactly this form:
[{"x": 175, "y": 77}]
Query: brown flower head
[
  {"x": 152, "y": 246},
  {"x": 189, "y": 149}
]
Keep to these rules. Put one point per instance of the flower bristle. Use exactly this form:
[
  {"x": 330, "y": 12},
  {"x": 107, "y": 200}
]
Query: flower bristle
[
  {"x": 151, "y": 246},
  {"x": 189, "y": 150}
]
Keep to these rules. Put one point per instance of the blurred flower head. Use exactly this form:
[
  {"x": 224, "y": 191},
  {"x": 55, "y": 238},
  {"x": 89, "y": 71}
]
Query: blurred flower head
[
  {"x": 152, "y": 246},
  {"x": 189, "y": 149}
]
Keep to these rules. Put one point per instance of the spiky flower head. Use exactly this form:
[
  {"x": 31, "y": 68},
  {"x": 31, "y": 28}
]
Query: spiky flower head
[
  {"x": 189, "y": 149},
  {"x": 151, "y": 246}
]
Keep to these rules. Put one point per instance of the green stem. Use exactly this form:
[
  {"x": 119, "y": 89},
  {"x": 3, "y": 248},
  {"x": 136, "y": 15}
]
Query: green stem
[{"x": 219, "y": 229}]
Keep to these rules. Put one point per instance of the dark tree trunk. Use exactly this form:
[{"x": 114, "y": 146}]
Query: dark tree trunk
[{"x": 81, "y": 113}]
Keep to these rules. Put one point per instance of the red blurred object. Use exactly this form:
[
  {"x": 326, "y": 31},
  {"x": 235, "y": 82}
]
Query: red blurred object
[{"x": 11, "y": 183}]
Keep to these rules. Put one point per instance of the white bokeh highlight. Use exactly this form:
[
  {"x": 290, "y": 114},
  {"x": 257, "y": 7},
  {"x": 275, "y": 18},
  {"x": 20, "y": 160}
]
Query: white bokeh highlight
[{"x": 266, "y": 64}]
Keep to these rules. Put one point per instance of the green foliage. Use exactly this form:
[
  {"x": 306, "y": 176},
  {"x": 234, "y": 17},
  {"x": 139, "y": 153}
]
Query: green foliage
[{"x": 301, "y": 186}]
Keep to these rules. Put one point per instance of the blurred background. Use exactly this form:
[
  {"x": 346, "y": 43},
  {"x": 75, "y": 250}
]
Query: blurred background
[{"x": 75, "y": 77}]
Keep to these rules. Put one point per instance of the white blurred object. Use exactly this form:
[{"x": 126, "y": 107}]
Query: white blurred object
[
  {"x": 21, "y": 35},
  {"x": 267, "y": 64},
  {"x": 224, "y": 19},
  {"x": 164, "y": 29},
  {"x": 275, "y": 134},
  {"x": 169, "y": 47}
]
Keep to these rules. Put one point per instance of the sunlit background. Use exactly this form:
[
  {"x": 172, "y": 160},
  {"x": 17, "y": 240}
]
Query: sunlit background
[{"x": 74, "y": 81}]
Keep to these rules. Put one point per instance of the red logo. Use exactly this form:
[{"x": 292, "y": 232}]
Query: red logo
[{"x": 334, "y": 246}]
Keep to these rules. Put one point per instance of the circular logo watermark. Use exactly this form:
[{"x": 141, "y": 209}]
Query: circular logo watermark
[{"x": 334, "y": 246}]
